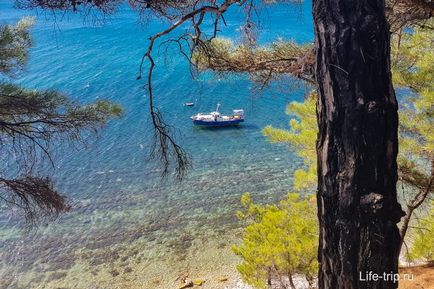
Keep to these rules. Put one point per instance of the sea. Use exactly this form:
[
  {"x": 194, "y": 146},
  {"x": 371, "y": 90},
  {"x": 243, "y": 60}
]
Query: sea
[{"x": 128, "y": 227}]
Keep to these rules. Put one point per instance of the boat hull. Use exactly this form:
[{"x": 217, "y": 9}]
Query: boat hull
[{"x": 218, "y": 123}]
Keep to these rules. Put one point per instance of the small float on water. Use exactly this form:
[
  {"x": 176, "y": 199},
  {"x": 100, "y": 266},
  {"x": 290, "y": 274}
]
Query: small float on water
[
  {"x": 189, "y": 104},
  {"x": 215, "y": 118}
]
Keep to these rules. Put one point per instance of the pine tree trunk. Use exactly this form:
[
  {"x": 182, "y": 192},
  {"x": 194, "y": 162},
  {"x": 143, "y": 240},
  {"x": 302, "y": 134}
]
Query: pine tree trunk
[{"x": 357, "y": 145}]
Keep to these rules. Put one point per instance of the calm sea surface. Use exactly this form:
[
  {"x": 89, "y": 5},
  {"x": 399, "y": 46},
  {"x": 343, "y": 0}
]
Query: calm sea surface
[{"x": 129, "y": 229}]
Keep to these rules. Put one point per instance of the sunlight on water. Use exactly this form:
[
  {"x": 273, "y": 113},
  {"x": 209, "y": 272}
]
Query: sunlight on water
[{"x": 128, "y": 228}]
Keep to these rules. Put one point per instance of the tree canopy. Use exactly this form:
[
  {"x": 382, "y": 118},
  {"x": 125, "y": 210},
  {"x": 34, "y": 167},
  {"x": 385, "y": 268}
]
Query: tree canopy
[
  {"x": 301, "y": 137},
  {"x": 279, "y": 241},
  {"x": 423, "y": 245},
  {"x": 14, "y": 44},
  {"x": 31, "y": 123}
]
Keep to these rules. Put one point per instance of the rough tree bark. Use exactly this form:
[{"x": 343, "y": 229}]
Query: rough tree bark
[{"x": 357, "y": 145}]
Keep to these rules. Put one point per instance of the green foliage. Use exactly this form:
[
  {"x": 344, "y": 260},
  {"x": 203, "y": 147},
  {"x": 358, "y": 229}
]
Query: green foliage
[
  {"x": 412, "y": 56},
  {"x": 35, "y": 110},
  {"x": 286, "y": 49},
  {"x": 279, "y": 240},
  {"x": 221, "y": 48},
  {"x": 223, "y": 55},
  {"x": 15, "y": 40},
  {"x": 301, "y": 137},
  {"x": 423, "y": 245},
  {"x": 413, "y": 68},
  {"x": 251, "y": 211}
]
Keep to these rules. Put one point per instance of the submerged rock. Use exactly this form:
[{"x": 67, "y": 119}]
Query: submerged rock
[
  {"x": 186, "y": 283},
  {"x": 56, "y": 276},
  {"x": 156, "y": 281},
  {"x": 114, "y": 272}
]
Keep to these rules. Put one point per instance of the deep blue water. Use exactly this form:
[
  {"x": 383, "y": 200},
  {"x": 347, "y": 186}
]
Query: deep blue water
[{"x": 116, "y": 192}]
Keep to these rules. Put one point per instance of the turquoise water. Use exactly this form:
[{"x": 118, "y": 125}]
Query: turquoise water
[{"x": 128, "y": 228}]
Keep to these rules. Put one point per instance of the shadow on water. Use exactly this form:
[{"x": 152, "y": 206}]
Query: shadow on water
[{"x": 227, "y": 128}]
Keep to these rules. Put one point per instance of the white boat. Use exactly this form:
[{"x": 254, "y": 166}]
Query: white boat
[{"x": 215, "y": 118}]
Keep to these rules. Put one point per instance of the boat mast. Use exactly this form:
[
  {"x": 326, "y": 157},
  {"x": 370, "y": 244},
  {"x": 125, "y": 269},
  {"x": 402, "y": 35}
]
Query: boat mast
[{"x": 217, "y": 108}]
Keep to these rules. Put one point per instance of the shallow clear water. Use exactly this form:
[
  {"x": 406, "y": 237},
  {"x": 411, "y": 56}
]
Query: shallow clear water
[{"x": 129, "y": 229}]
